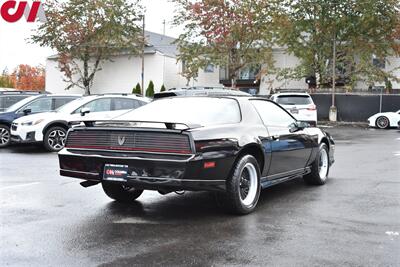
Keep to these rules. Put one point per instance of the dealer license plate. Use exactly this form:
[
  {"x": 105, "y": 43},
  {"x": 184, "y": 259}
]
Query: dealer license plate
[
  {"x": 294, "y": 111},
  {"x": 114, "y": 172}
]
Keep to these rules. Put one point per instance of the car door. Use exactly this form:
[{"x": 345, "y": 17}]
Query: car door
[
  {"x": 290, "y": 150},
  {"x": 100, "y": 109},
  {"x": 121, "y": 105},
  {"x": 43, "y": 104}
]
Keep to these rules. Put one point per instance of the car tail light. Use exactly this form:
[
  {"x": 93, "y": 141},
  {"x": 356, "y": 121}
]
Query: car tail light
[
  {"x": 209, "y": 164},
  {"x": 312, "y": 107}
]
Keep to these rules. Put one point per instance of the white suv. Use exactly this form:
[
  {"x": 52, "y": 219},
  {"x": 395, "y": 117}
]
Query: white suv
[
  {"x": 51, "y": 128},
  {"x": 300, "y": 105}
]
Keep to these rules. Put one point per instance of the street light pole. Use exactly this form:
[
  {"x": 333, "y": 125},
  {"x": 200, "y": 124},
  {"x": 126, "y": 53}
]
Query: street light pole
[
  {"x": 142, "y": 54},
  {"x": 333, "y": 109}
]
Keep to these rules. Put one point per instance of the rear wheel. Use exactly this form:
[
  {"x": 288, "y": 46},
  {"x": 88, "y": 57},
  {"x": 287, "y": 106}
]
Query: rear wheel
[
  {"x": 54, "y": 138},
  {"x": 121, "y": 193},
  {"x": 382, "y": 122},
  {"x": 319, "y": 168},
  {"x": 243, "y": 187},
  {"x": 5, "y": 136}
]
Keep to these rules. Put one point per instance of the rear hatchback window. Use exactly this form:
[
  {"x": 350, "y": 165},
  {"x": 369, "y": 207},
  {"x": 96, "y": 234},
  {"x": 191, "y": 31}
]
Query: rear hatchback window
[
  {"x": 197, "y": 110},
  {"x": 294, "y": 100}
]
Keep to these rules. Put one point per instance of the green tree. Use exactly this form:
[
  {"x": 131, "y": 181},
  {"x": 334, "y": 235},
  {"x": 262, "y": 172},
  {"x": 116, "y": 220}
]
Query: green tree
[
  {"x": 232, "y": 34},
  {"x": 137, "y": 89},
  {"x": 6, "y": 80},
  {"x": 85, "y": 33},
  {"x": 150, "y": 89},
  {"x": 362, "y": 29},
  {"x": 163, "y": 89}
]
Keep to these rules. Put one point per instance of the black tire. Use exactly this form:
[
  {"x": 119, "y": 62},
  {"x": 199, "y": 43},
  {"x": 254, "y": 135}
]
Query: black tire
[
  {"x": 5, "y": 135},
  {"x": 246, "y": 172},
  {"x": 120, "y": 192},
  {"x": 316, "y": 177},
  {"x": 54, "y": 138},
  {"x": 382, "y": 122}
]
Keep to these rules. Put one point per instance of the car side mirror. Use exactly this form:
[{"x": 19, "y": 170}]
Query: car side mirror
[
  {"x": 298, "y": 126},
  {"x": 85, "y": 111},
  {"x": 27, "y": 111}
]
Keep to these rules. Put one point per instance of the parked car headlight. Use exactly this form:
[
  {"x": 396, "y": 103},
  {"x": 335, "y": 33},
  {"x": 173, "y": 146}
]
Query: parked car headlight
[{"x": 30, "y": 123}]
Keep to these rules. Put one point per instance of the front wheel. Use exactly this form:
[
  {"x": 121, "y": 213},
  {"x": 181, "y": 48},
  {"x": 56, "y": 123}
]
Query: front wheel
[
  {"x": 5, "y": 136},
  {"x": 54, "y": 139},
  {"x": 242, "y": 187},
  {"x": 121, "y": 193},
  {"x": 382, "y": 122},
  {"x": 319, "y": 168}
]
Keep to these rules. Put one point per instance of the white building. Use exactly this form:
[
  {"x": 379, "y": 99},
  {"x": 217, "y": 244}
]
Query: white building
[{"x": 123, "y": 72}]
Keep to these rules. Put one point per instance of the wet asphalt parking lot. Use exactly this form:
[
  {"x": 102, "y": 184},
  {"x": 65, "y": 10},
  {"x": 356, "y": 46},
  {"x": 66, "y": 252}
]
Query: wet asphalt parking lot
[{"x": 354, "y": 220}]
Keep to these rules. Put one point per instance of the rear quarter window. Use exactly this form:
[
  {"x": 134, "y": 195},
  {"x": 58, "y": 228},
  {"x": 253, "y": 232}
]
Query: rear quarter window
[
  {"x": 294, "y": 100},
  {"x": 59, "y": 102}
]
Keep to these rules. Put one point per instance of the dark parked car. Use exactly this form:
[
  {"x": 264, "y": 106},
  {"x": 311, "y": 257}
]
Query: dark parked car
[
  {"x": 9, "y": 98},
  {"x": 234, "y": 146},
  {"x": 30, "y": 105}
]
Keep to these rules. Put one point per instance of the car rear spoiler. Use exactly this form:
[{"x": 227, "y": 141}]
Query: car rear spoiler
[{"x": 132, "y": 123}]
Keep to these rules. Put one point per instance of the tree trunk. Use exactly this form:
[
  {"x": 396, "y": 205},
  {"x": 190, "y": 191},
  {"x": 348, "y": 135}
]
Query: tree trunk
[
  {"x": 85, "y": 80},
  {"x": 233, "y": 75},
  {"x": 317, "y": 81},
  {"x": 87, "y": 89}
]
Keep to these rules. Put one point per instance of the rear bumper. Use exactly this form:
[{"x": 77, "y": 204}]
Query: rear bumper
[{"x": 149, "y": 172}]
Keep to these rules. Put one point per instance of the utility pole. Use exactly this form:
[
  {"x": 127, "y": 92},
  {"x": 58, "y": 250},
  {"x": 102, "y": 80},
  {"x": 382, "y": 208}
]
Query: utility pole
[
  {"x": 142, "y": 55},
  {"x": 333, "y": 109},
  {"x": 164, "y": 54}
]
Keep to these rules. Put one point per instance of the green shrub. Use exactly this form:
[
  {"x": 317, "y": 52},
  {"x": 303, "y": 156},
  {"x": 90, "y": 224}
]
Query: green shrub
[
  {"x": 162, "y": 88},
  {"x": 150, "y": 89},
  {"x": 137, "y": 90}
]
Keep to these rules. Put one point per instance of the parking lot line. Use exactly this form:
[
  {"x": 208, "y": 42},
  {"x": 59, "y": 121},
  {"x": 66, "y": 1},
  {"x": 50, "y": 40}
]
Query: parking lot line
[{"x": 18, "y": 185}]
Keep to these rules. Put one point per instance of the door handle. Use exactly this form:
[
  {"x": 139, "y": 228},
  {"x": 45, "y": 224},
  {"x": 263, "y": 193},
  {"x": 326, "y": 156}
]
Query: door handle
[{"x": 275, "y": 137}]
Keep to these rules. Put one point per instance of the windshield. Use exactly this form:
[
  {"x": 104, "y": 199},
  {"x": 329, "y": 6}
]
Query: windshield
[
  {"x": 294, "y": 100},
  {"x": 73, "y": 105},
  {"x": 20, "y": 104},
  {"x": 192, "y": 110}
]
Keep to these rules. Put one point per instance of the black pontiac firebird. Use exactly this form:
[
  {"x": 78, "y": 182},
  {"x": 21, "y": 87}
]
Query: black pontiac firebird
[{"x": 234, "y": 146}]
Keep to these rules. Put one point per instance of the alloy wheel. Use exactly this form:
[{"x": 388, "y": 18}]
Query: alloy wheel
[
  {"x": 248, "y": 184},
  {"x": 382, "y": 122},
  {"x": 323, "y": 164},
  {"x": 4, "y": 136},
  {"x": 56, "y": 139}
]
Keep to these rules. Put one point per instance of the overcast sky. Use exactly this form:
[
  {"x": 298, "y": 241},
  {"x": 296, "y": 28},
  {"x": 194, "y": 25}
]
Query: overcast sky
[{"x": 15, "y": 49}]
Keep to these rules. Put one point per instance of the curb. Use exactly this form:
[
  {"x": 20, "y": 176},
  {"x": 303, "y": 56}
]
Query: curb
[{"x": 329, "y": 124}]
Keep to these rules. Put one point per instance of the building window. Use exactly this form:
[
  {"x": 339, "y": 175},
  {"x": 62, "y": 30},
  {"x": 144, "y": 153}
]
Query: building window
[
  {"x": 379, "y": 63},
  {"x": 183, "y": 65},
  {"x": 249, "y": 72},
  {"x": 209, "y": 68}
]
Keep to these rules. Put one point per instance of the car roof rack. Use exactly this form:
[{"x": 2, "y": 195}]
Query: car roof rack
[
  {"x": 123, "y": 94},
  {"x": 22, "y": 92}
]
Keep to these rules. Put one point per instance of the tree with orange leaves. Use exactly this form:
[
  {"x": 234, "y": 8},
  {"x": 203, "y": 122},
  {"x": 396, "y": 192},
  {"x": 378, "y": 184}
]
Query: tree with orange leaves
[{"x": 30, "y": 78}]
